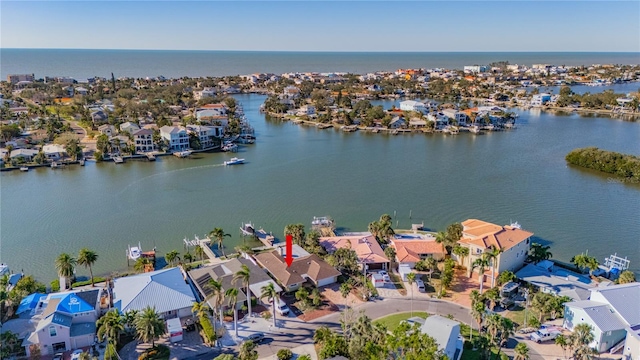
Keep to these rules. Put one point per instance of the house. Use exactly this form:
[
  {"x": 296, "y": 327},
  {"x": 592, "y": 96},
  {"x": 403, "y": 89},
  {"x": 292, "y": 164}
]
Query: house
[
  {"x": 118, "y": 143},
  {"x": 410, "y": 250},
  {"x": 412, "y": 105},
  {"x": 458, "y": 116},
  {"x": 54, "y": 151},
  {"x": 561, "y": 282},
  {"x": 481, "y": 236},
  {"x": 204, "y": 93},
  {"x": 291, "y": 91},
  {"x": 107, "y": 129},
  {"x": 143, "y": 140},
  {"x": 82, "y": 91},
  {"x": 540, "y": 99},
  {"x": 475, "y": 69},
  {"x": 206, "y": 134},
  {"x": 369, "y": 252},
  {"x": 307, "y": 110},
  {"x": 99, "y": 117},
  {"x": 166, "y": 290},
  {"x": 129, "y": 127},
  {"x": 446, "y": 332},
  {"x": 24, "y": 154},
  {"x": 396, "y": 122},
  {"x": 417, "y": 123},
  {"x": 67, "y": 321},
  {"x": 212, "y": 112},
  {"x": 16, "y": 78},
  {"x": 224, "y": 272},
  {"x": 177, "y": 137},
  {"x": 309, "y": 267},
  {"x": 612, "y": 312}
]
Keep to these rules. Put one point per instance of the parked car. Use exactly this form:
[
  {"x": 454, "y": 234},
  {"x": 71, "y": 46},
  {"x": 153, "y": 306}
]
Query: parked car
[
  {"x": 75, "y": 355},
  {"x": 385, "y": 275},
  {"x": 256, "y": 337},
  {"x": 420, "y": 285},
  {"x": 58, "y": 356},
  {"x": 545, "y": 334},
  {"x": 281, "y": 307}
]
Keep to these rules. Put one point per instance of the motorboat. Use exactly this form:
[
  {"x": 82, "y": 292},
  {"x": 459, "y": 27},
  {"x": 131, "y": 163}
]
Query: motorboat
[
  {"x": 475, "y": 129},
  {"x": 24, "y": 168},
  {"x": 323, "y": 221},
  {"x": 248, "y": 229},
  {"x": 234, "y": 161},
  {"x": 134, "y": 252},
  {"x": 183, "y": 154},
  {"x": 54, "y": 165}
]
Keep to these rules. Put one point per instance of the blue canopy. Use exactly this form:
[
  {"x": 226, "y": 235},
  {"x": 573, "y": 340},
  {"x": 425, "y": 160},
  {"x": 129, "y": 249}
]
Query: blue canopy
[{"x": 30, "y": 302}]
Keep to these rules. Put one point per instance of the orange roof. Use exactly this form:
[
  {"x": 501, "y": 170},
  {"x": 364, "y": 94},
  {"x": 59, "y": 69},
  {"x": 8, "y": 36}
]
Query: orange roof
[
  {"x": 365, "y": 245},
  {"x": 470, "y": 78},
  {"x": 213, "y": 106},
  {"x": 410, "y": 250},
  {"x": 486, "y": 235}
]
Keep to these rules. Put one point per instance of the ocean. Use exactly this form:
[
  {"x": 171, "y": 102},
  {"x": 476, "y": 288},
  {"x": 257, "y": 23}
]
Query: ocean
[{"x": 82, "y": 64}]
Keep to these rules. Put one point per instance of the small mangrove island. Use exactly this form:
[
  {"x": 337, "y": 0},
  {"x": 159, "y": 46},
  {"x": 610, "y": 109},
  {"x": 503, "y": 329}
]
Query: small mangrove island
[{"x": 626, "y": 166}]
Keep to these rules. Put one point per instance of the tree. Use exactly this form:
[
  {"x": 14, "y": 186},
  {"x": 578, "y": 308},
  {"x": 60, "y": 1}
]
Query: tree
[
  {"x": 538, "y": 252},
  {"x": 411, "y": 278},
  {"x": 522, "y": 352},
  {"x": 110, "y": 326},
  {"x": 199, "y": 252},
  {"x": 506, "y": 276},
  {"x": 507, "y": 329},
  {"x": 345, "y": 289},
  {"x": 232, "y": 296},
  {"x": 583, "y": 261},
  {"x": 461, "y": 252},
  {"x": 390, "y": 253},
  {"x": 172, "y": 256},
  {"x": 269, "y": 292},
  {"x": 65, "y": 265},
  {"x": 481, "y": 263},
  {"x": 493, "y": 296},
  {"x": 297, "y": 233},
  {"x": 219, "y": 234},
  {"x": 216, "y": 292},
  {"x": 149, "y": 325},
  {"x": 492, "y": 256},
  {"x": 142, "y": 264},
  {"x": 626, "y": 277},
  {"x": 494, "y": 323},
  {"x": 247, "y": 351},
  {"x": 244, "y": 276},
  {"x": 579, "y": 341},
  {"x": 543, "y": 303},
  {"x": 563, "y": 342},
  {"x": 87, "y": 258}
]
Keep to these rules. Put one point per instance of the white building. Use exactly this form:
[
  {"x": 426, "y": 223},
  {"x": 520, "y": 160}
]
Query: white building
[
  {"x": 204, "y": 93},
  {"x": 129, "y": 127},
  {"x": 540, "y": 99},
  {"x": 458, "y": 116},
  {"x": 475, "y": 69},
  {"x": 54, "y": 151},
  {"x": 143, "y": 141},
  {"x": 107, "y": 129},
  {"x": 446, "y": 332},
  {"x": 206, "y": 134},
  {"x": 412, "y": 105},
  {"x": 177, "y": 137},
  {"x": 307, "y": 110}
]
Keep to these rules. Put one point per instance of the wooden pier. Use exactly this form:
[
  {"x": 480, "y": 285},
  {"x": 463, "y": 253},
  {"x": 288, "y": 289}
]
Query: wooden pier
[{"x": 266, "y": 238}]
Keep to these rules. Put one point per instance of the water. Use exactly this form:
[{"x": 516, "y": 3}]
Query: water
[
  {"x": 294, "y": 173},
  {"x": 81, "y": 64}
]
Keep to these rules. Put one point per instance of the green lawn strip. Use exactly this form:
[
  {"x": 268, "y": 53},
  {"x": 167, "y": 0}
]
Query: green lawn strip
[{"x": 392, "y": 321}]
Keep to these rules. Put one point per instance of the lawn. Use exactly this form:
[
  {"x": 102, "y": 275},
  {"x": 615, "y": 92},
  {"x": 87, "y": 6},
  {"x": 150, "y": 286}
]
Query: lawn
[
  {"x": 392, "y": 321},
  {"x": 516, "y": 314}
]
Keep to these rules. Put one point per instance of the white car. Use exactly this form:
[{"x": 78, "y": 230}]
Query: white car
[
  {"x": 384, "y": 275},
  {"x": 544, "y": 334},
  {"x": 75, "y": 355}
]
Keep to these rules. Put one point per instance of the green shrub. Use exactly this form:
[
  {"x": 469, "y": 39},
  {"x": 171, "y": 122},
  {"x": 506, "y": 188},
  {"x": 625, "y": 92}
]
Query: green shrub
[
  {"x": 304, "y": 357},
  {"x": 207, "y": 328},
  {"x": 284, "y": 354},
  {"x": 87, "y": 282},
  {"x": 159, "y": 352},
  {"x": 55, "y": 285}
]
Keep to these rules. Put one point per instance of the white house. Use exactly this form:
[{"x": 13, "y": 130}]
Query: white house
[
  {"x": 412, "y": 105},
  {"x": 166, "y": 290},
  {"x": 206, "y": 134},
  {"x": 307, "y": 110},
  {"x": 540, "y": 99},
  {"x": 613, "y": 313},
  {"x": 143, "y": 140},
  {"x": 177, "y": 137},
  {"x": 204, "y": 93},
  {"x": 291, "y": 91},
  {"x": 446, "y": 332},
  {"x": 25, "y": 154},
  {"x": 107, "y": 129},
  {"x": 53, "y": 151},
  {"x": 129, "y": 127},
  {"x": 458, "y": 116},
  {"x": 475, "y": 69}
]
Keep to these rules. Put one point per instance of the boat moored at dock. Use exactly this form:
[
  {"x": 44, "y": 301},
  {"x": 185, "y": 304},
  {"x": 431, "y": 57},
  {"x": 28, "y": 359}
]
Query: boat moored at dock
[
  {"x": 24, "y": 168},
  {"x": 183, "y": 154}
]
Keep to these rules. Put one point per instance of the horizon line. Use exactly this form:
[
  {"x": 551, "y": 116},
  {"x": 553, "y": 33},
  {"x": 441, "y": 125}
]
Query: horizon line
[{"x": 336, "y": 51}]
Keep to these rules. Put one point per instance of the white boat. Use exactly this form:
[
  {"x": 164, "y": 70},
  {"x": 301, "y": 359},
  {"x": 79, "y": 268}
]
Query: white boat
[
  {"x": 134, "y": 252},
  {"x": 475, "y": 129},
  {"x": 248, "y": 229},
  {"x": 323, "y": 221},
  {"x": 54, "y": 165},
  {"x": 81, "y": 161},
  {"x": 234, "y": 161},
  {"x": 489, "y": 127},
  {"x": 183, "y": 154},
  {"x": 24, "y": 168},
  {"x": 229, "y": 146}
]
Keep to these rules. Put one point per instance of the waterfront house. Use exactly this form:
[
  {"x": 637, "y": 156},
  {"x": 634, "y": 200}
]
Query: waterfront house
[
  {"x": 54, "y": 151},
  {"x": 129, "y": 127},
  {"x": 177, "y": 137},
  {"x": 307, "y": 110},
  {"x": 612, "y": 311},
  {"x": 481, "y": 236},
  {"x": 411, "y": 248},
  {"x": 224, "y": 272},
  {"x": 65, "y": 321},
  {"x": 417, "y": 123},
  {"x": 396, "y": 122},
  {"x": 143, "y": 141},
  {"x": 369, "y": 252},
  {"x": 306, "y": 268},
  {"x": 454, "y": 115},
  {"x": 291, "y": 91},
  {"x": 550, "y": 279},
  {"x": 118, "y": 143},
  {"x": 446, "y": 333},
  {"x": 540, "y": 99},
  {"x": 107, "y": 129},
  {"x": 206, "y": 134},
  {"x": 24, "y": 154},
  {"x": 166, "y": 290},
  {"x": 412, "y": 105},
  {"x": 204, "y": 93}
]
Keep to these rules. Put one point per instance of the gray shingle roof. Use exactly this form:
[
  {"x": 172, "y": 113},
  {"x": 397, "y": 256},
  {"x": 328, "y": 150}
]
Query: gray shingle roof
[{"x": 165, "y": 290}]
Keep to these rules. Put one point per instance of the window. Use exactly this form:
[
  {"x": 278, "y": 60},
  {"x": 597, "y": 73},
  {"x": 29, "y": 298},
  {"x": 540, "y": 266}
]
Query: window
[{"x": 53, "y": 331}]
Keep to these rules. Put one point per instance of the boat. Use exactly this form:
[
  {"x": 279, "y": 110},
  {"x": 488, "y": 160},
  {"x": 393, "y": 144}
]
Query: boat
[
  {"x": 134, "y": 252},
  {"x": 229, "y": 146},
  {"x": 248, "y": 229},
  {"x": 183, "y": 154},
  {"x": 54, "y": 165},
  {"x": 151, "y": 157},
  {"x": 24, "y": 168},
  {"x": 322, "y": 221},
  {"x": 81, "y": 161},
  {"x": 509, "y": 125},
  {"x": 118, "y": 160},
  {"x": 234, "y": 161},
  {"x": 489, "y": 127},
  {"x": 475, "y": 129}
]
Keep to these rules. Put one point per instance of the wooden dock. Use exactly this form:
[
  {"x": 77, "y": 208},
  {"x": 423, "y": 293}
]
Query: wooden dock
[{"x": 266, "y": 238}]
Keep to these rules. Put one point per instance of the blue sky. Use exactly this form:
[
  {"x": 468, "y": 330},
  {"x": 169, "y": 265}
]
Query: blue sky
[{"x": 323, "y": 26}]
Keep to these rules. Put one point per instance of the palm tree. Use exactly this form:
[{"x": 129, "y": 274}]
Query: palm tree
[
  {"x": 494, "y": 323},
  {"x": 522, "y": 352},
  {"x": 65, "y": 264},
  {"x": 199, "y": 308},
  {"x": 345, "y": 289},
  {"x": 461, "y": 252},
  {"x": 411, "y": 278},
  {"x": 199, "y": 252},
  {"x": 247, "y": 350},
  {"x": 626, "y": 277},
  {"x": 492, "y": 256},
  {"x": 296, "y": 231},
  {"x": 477, "y": 312},
  {"x": 563, "y": 342},
  {"x": 142, "y": 264},
  {"x": 172, "y": 256},
  {"x": 110, "y": 326},
  {"x": 507, "y": 329},
  {"x": 481, "y": 263},
  {"x": 217, "y": 293},
  {"x": 232, "y": 296},
  {"x": 149, "y": 325},
  {"x": 585, "y": 261},
  {"x": 219, "y": 234},
  {"x": 87, "y": 258},
  {"x": 538, "y": 253},
  {"x": 269, "y": 292},
  {"x": 580, "y": 339},
  {"x": 431, "y": 265},
  {"x": 188, "y": 257},
  {"x": 244, "y": 276}
]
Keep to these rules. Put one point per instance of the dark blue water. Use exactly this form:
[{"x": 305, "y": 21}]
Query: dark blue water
[{"x": 142, "y": 63}]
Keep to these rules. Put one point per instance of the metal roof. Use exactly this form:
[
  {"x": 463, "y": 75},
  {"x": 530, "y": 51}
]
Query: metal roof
[
  {"x": 601, "y": 314},
  {"x": 441, "y": 329},
  {"x": 165, "y": 290},
  {"x": 82, "y": 329},
  {"x": 623, "y": 298}
]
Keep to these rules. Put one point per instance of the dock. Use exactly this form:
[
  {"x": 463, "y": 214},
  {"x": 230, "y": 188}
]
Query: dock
[
  {"x": 266, "y": 238},
  {"x": 151, "y": 157},
  {"x": 204, "y": 244},
  {"x": 118, "y": 159}
]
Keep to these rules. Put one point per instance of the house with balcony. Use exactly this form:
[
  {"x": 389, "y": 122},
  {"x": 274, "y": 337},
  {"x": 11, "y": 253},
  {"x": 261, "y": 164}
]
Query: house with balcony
[
  {"x": 143, "y": 141},
  {"x": 207, "y": 134},
  {"x": 481, "y": 236},
  {"x": 412, "y": 105},
  {"x": 176, "y": 137},
  {"x": 54, "y": 151},
  {"x": 454, "y": 115}
]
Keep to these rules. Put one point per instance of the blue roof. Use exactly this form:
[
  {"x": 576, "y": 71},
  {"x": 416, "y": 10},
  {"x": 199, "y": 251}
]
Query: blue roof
[
  {"x": 73, "y": 304},
  {"x": 30, "y": 302}
]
